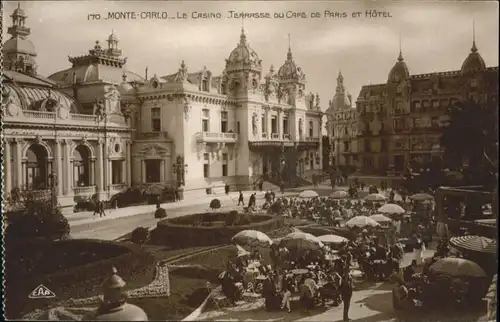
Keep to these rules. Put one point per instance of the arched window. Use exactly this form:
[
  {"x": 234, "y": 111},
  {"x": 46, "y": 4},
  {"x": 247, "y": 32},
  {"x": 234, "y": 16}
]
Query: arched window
[
  {"x": 37, "y": 168},
  {"x": 81, "y": 166}
]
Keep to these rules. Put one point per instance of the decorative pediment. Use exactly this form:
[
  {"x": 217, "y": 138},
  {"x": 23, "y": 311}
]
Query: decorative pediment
[{"x": 155, "y": 150}]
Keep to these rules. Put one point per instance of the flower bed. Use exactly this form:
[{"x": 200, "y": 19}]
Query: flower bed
[
  {"x": 134, "y": 266},
  {"x": 198, "y": 229}
]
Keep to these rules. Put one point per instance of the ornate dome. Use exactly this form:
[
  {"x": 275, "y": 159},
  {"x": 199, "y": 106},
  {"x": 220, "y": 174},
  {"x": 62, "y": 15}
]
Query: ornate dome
[
  {"x": 399, "y": 71},
  {"x": 112, "y": 37},
  {"x": 19, "y": 44},
  {"x": 289, "y": 70},
  {"x": 243, "y": 57},
  {"x": 474, "y": 61}
]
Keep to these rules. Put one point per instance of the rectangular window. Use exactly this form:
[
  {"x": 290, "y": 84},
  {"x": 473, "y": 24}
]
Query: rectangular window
[
  {"x": 435, "y": 121},
  {"x": 274, "y": 124},
  {"x": 205, "y": 122},
  {"x": 263, "y": 123},
  {"x": 368, "y": 146},
  {"x": 285, "y": 125},
  {"x": 417, "y": 106},
  {"x": 346, "y": 146},
  {"x": 224, "y": 164},
  {"x": 383, "y": 145},
  {"x": 398, "y": 125},
  {"x": 223, "y": 122},
  {"x": 435, "y": 104},
  {"x": 117, "y": 171},
  {"x": 206, "y": 165},
  {"x": 204, "y": 85},
  {"x": 311, "y": 129},
  {"x": 156, "y": 119}
]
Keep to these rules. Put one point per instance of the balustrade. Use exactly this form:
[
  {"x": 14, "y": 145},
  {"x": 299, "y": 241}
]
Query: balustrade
[
  {"x": 216, "y": 137},
  {"x": 84, "y": 191}
]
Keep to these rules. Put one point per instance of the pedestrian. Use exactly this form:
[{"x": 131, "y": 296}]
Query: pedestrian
[
  {"x": 177, "y": 194},
  {"x": 101, "y": 209},
  {"x": 240, "y": 199},
  {"x": 261, "y": 184},
  {"x": 97, "y": 208},
  {"x": 158, "y": 202},
  {"x": 226, "y": 189},
  {"x": 346, "y": 293},
  {"x": 282, "y": 187}
]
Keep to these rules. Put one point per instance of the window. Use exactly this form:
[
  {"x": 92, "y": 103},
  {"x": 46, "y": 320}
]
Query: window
[
  {"x": 274, "y": 124},
  {"x": 417, "y": 106},
  {"x": 398, "y": 125},
  {"x": 417, "y": 122},
  {"x": 311, "y": 129},
  {"x": 399, "y": 108},
  {"x": 238, "y": 127},
  {"x": 223, "y": 122},
  {"x": 345, "y": 131},
  {"x": 368, "y": 147},
  {"x": 346, "y": 146},
  {"x": 285, "y": 125},
  {"x": 156, "y": 119},
  {"x": 206, "y": 165},
  {"x": 435, "y": 104},
  {"x": 224, "y": 164},
  {"x": 473, "y": 83},
  {"x": 263, "y": 123},
  {"x": 205, "y": 122},
  {"x": 383, "y": 145},
  {"x": 435, "y": 121},
  {"x": 204, "y": 85},
  {"x": 425, "y": 104},
  {"x": 117, "y": 171},
  {"x": 153, "y": 171}
]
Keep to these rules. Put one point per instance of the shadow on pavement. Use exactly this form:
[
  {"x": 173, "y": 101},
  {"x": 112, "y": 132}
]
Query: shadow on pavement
[
  {"x": 381, "y": 302},
  {"x": 374, "y": 318}
]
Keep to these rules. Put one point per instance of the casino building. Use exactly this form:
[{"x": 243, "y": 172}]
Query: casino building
[{"x": 97, "y": 128}]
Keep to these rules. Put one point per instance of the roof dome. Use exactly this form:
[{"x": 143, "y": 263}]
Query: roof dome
[
  {"x": 19, "y": 11},
  {"x": 243, "y": 57},
  {"x": 112, "y": 37},
  {"x": 289, "y": 70},
  {"x": 474, "y": 61},
  {"x": 399, "y": 71},
  {"x": 19, "y": 44}
]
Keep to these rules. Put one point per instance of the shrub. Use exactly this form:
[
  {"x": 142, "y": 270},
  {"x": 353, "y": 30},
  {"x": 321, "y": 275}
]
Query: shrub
[
  {"x": 276, "y": 207},
  {"x": 140, "y": 235},
  {"x": 231, "y": 218},
  {"x": 160, "y": 213},
  {"x": 215, "y": 204},
  {"x": 39, "y": 219}
]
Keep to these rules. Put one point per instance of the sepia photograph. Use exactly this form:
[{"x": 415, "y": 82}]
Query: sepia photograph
[{"x": 250, "y": 160}]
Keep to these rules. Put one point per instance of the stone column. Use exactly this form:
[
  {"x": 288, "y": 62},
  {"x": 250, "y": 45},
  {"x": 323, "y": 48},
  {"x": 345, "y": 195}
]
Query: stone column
[
  {"x": 8, "y": 170},
  {"x": 124, "y": 178},
  {"x": 100, "y": 168},
  {"x": 162, "y": 171},
  {"x": 143, "y": 171},
  {"x": 92, "y": 172},
  {"x": 269, "y": 122},
  {"x": 59, "y": 166},
  {"x": 69, "y": 168},
  {"x": 128, "y": 163},
  {"x": 19, "y": 164},
  {"x": 110, "y": 175}
]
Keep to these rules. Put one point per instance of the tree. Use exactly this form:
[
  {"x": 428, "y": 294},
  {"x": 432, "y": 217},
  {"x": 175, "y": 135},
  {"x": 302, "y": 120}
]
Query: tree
[
  {"x": 38, "y": 217},
  {"x": 470, "y": 139},
  {"x": 215, "y": 204}
]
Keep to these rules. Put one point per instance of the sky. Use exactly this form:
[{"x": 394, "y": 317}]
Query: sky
[{"x": 433, "y": 36}]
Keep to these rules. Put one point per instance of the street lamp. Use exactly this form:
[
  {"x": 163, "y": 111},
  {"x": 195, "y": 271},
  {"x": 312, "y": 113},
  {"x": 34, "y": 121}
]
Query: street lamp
[{"x": 180, "y": 169}]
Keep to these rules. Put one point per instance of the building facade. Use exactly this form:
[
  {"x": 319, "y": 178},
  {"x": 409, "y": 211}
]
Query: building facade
[
  {"x": 402, "y": 120},
  {"x": 97, "y": 128},
  {"x": 342, "y": 127}
]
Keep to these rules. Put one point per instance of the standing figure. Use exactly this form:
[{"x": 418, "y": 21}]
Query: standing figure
[
  {"x": 346, "y": 293},
  {"x": 240, "y": 199}
]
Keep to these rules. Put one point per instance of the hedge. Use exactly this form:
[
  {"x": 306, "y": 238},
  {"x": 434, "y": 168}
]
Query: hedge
[
  {"x": 78, "y": 282},
  {"x": 182, "y": 231}
]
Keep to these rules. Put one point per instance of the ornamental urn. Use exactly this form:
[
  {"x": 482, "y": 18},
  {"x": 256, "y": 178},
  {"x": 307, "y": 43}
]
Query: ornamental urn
[{"x": 114, "y": 306}]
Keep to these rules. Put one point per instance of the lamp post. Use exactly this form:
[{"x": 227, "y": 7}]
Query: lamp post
[{"x": 180, "y": 169}]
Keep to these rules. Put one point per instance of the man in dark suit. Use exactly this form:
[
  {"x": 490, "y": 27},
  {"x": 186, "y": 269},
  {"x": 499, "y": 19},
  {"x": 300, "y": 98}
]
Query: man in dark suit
[{"x": 346, "y": 293}]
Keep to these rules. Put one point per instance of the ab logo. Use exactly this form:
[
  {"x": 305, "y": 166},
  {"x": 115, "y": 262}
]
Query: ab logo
[{"x": 41, "y": 292}]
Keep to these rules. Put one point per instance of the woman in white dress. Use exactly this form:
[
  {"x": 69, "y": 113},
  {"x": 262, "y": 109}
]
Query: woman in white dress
[{"x": 419, "y": 250}]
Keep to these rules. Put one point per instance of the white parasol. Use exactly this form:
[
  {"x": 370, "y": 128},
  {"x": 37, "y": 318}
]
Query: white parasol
[
  {"x": 332, "y": 239},
  {"x": 340, "y": 194},
  {"x": 301, "y": 240},
  {"x": 421, "y": 197},
  {"x": 375, "y": 197},
  {"x": 308, "y": 194},
  {"x": 252, "y": 238},
  {"x": 361, "y": 222},
  {"x": 391, "y": 208},
  {"x": 380, "y": 218}
]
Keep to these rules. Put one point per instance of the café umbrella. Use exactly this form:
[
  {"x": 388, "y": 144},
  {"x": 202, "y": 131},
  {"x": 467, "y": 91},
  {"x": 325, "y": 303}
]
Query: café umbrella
[
  {"x": 375, "y": 197},
  {"x": 252, "y": 238},
  {"x": 301, "y": 240},
  {"x": 380, "y": 218},
  {"x": 332, "y": 239},
  {"x": 457, "y": 267},
  {"x": 472, "y": 243},
  {"x": 391, "y": 208},
  {"x": 361, "y": 222},
  {"x": 308, "y": 194},
  {"x": 421, "y": 197},
  {"x": 340, "y": 194}
]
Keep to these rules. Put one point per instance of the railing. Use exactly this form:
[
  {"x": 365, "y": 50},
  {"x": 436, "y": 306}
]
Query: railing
[
  {"x": 275, "y": 136},
  {"x": 83, "y": 117},
  {"x": 40, "y": 115},
  {"x": 287, "y": 136},
  {"x": 264, "y": 135},
  {"x": 87, "y": 190},
  {"x": 217, "y": 137},
  {"x": 312, "y": 139},
  {"x": 119, "y": 186}
]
